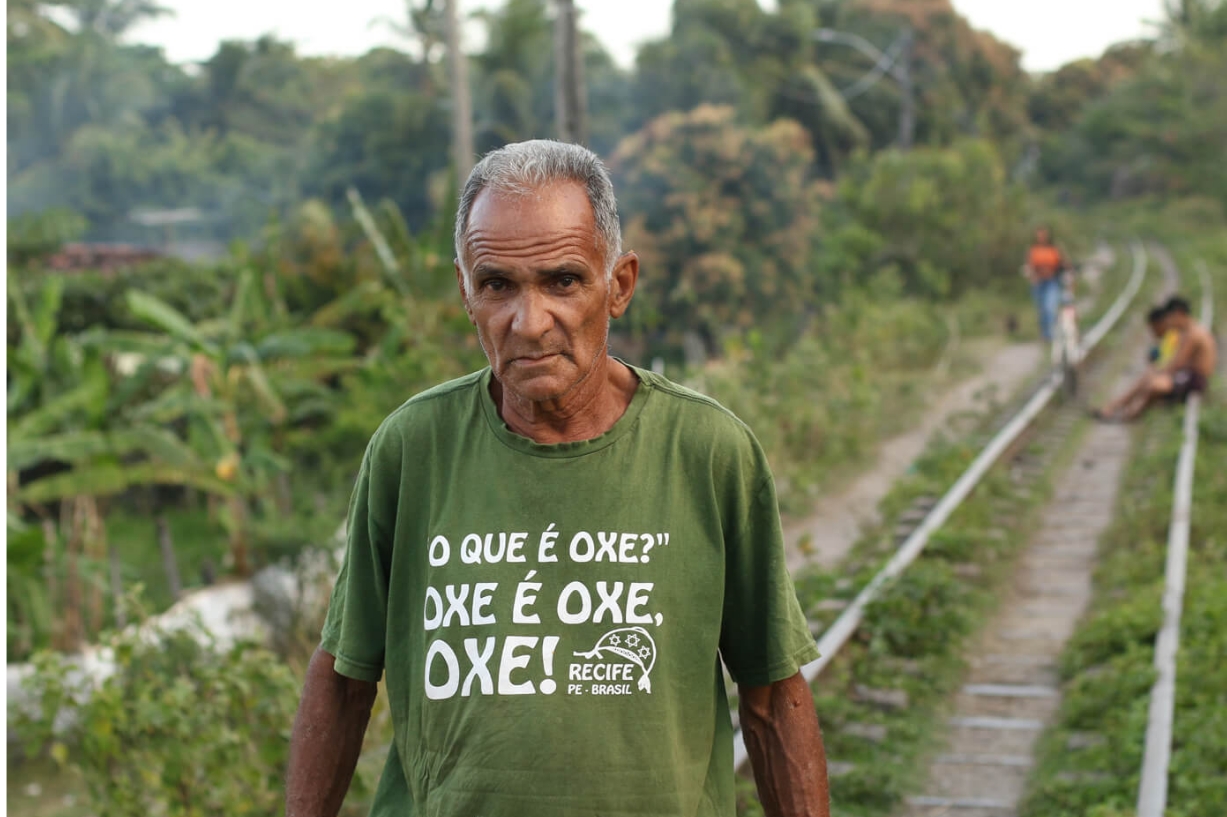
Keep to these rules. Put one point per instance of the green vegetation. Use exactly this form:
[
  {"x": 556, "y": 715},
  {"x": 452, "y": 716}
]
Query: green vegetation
[
  {"x": 881, "y": 699},
  {"x": 1091, "y": 760},
  {"x": 108, "y": 128},
  {"x": 1107, "y": 668},
  {"x": 806, "y": 260},
  {"x": 178, "y": 716},
  {"x": 217, "y": 410}
]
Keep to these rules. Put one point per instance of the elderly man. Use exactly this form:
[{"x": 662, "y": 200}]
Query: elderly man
[{"x": 549, "y": 558}]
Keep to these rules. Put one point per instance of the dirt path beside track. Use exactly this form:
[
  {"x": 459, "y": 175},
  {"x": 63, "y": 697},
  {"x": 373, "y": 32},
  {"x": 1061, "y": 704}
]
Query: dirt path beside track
[{"x": 837, "y": 520}]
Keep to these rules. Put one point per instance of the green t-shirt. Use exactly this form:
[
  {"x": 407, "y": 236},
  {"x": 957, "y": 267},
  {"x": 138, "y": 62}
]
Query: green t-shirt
[{"x": 551, "y": 618}]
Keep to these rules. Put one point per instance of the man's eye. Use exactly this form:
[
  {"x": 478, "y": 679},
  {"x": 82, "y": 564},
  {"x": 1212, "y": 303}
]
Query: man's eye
[
  {"x": 495, "y": 284},
  {"x": 567, "y": 281}
]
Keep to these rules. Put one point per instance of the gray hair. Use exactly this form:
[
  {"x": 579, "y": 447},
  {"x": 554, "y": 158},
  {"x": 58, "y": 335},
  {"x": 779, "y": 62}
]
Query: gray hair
[{"x": 522, "y": 168}]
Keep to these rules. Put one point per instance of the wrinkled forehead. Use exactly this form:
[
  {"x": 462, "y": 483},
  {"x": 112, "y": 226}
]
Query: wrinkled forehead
[{"x": 557, "y": 214}]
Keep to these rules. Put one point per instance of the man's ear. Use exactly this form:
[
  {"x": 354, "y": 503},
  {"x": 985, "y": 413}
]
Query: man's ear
[
  {"x": 464, "y": 292},
  {"x": 622, "y": 283}
]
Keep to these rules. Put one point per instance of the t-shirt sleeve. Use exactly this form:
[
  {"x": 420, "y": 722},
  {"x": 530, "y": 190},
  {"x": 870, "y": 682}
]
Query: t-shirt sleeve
[
  {"x": 355, "y": 628},
  {"x": 764, "y": 637}
]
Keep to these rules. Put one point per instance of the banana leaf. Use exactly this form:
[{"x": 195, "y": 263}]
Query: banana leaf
[
  {"x": 176, "y": 403},
  {"x": 47, "y": 313},
  {"x": 82, "y": 446},
  {"x": 170, "y": 320},
  {"x": 91, "y": 394},
  {"x": 239, "y": 306},
  {"x": 304, "y": 342},
  {"x": 258, "y": 378},
  {"x": 365, "y": 296},
  {"x": 111, "y": 478}
]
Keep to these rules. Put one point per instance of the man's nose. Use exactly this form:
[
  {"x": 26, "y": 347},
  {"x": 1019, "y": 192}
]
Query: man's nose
[{"x": 532, "y": 316}]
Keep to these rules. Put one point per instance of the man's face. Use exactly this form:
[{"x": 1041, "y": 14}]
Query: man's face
[
  {"x": 1041, "y": 236},
  {"x": 537, "y": 290}
]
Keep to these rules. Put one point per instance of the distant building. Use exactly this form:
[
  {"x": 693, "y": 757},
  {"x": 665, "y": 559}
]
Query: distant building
[
  {"x": 76, "y": 257},
  {"x": 189, "y": 248}
]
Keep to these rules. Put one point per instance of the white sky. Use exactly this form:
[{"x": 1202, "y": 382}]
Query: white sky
[{"x": 1049, "y": 32}]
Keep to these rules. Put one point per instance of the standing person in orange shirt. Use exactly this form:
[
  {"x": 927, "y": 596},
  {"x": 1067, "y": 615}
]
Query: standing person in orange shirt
[{"x": 1045, "y": 263}]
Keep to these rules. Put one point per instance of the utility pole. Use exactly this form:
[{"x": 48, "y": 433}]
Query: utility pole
[
  {"x": 462, "y": 102},
  {"x": 907, "y": 102},
  {"x": 570, "y": 99}
]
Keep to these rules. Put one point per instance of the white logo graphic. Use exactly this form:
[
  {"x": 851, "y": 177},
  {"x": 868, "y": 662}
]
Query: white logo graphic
[{"x": 632, "y": 643}]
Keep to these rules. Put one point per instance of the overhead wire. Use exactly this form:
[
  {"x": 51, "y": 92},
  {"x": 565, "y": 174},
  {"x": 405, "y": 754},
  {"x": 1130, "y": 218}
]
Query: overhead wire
[{"x": 884, "y": 64}]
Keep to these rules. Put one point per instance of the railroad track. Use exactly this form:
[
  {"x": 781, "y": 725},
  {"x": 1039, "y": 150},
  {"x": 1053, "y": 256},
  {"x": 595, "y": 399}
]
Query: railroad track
[
  {"x": 1152, "y": 788},
  {"x": 1012, "y": 692},
  {"x": 1030, "y": 454}
]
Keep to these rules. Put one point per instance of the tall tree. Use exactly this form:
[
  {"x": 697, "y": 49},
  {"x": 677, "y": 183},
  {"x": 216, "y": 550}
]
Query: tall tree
[
  {"x": 462, "y": 101},
  {"x": 727, "y": 217},
  {"x": 571, "y": 101}
]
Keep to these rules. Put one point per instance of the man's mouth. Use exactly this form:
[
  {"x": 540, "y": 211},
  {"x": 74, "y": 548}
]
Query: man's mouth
[{"x": 536, "y": 358}]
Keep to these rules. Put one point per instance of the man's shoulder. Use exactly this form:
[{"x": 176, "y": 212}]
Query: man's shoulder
[
  {"x": 443, "y": 402},
  {"x": 1199, "y": 332},
  {"x": 684, "y": 398},
  {"x": 702, "y": 418}
]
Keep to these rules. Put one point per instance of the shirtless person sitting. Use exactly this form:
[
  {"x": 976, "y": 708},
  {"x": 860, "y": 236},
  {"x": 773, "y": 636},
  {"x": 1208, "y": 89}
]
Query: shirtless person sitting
[
  {"x": 1166, "y": 341},
  {"x": 1188, "y": 370},
  {"x": 1167, "y": 338}
]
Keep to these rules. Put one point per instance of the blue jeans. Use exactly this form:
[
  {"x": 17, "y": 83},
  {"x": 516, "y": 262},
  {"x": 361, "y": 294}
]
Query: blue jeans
[{"x": 1047, "y": 295}]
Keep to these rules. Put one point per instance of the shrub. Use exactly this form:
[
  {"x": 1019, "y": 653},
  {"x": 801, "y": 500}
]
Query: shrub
[{"x": 182, "y": 727}]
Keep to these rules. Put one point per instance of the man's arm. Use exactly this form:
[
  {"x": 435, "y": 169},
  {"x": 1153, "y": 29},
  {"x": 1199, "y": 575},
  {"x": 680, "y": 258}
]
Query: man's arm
[
  {"x": 784, "y": 742},
  {"x": 327, "y": 739}
]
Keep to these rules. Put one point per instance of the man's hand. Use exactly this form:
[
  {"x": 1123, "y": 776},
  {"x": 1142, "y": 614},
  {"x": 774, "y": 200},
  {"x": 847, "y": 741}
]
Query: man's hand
[
  {"x": 784, "y": 742},
  {"x": 327, "y": 739}
]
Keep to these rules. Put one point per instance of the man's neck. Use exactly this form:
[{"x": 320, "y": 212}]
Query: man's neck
[{"x": 593, "y": 407}]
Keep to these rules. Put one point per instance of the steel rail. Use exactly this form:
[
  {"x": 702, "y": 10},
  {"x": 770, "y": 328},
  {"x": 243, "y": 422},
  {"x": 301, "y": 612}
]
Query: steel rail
[
  {"x": 1157, "y": 756},
  {"x": 834, "y": 638}
]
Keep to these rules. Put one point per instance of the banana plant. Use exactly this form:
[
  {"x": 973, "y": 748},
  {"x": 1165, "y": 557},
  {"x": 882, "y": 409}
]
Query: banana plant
[
  {"x": 68, "y": 448},
  {"x": 237, "y": 384}
]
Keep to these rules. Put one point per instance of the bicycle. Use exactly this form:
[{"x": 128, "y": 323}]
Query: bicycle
[{"x": 1066, "y": 346}]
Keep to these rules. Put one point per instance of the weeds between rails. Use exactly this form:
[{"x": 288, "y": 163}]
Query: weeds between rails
[
  {"x": 1090, "y": 760},
  {"x": 881, "y": 700}
]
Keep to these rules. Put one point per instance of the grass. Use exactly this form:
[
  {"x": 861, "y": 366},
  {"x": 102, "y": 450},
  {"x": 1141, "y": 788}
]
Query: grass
[
  {"x": 896, "y": 648},
  {"x": 912, "y": 640},
  {"x": 911, "y": 643},
  {"x": 864, "y": 372},
  {"x": 198, "y": 543},
  {"x": 40, "y": 788},
  {"x": 1107, "y": 668}
]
